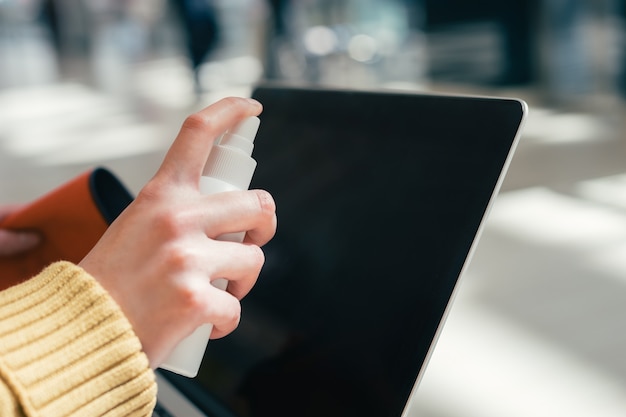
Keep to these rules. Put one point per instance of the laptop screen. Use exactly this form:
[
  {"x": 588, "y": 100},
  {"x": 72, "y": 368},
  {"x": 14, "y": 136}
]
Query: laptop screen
[{"x": 380, "y": 197}]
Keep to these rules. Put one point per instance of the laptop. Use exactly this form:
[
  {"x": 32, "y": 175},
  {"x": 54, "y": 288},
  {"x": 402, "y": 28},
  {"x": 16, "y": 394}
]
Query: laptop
[{"x": 381, "y": 196}]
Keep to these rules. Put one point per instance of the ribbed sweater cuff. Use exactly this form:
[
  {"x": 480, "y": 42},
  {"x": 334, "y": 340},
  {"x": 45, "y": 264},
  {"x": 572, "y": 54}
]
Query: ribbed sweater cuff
[{"x": 67, "y": 349}]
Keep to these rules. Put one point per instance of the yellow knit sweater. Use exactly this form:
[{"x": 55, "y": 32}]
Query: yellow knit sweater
[{"x": 66, "y": 349}]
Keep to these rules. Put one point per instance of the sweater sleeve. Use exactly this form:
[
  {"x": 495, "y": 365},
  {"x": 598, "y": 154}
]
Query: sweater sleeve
[{"x": 66, "y": 349}]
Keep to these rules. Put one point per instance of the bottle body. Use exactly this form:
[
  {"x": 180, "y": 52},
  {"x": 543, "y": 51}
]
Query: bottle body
[
  {"x": 229, "y": 167},
  {"x": 186, "y": 358}
]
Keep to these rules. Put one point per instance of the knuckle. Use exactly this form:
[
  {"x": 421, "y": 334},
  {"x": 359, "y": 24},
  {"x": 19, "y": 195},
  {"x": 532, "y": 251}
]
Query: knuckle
[
  {"x": 196, "y": 121},
  {"x": 189, "y": 299},
  {"x": 189, "y": 302},
  {"x": 171, "y": 222},
  {"x": 180, "y": 258}
]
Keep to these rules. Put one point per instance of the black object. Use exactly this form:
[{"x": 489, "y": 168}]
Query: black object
[{"x": 380, "y": 198}]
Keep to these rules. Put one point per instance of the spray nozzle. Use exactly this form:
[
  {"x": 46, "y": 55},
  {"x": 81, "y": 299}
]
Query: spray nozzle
[{"x": 241, "y": 136}]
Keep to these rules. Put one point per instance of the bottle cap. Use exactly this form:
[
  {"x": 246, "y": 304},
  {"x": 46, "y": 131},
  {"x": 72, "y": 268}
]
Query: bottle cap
[
  {"x": 242, "y": 135},
  {"x": 230, "y": 159}
]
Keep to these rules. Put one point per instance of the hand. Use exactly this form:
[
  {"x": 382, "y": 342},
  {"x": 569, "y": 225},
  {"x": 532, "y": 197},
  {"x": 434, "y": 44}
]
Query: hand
[
  {"x": 157, "y": 260},
  {"x": 13, "y": 242}
]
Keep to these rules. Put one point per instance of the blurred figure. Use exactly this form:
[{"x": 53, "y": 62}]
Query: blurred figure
[
  {"x": 201, "y": 31},
  {"x": 518, "y": 20},
  {"x": 621, "y": 64},
  {"x": 276, "y": 37},
  {"x": 50, "y": 17},
  {"x": 415, "y": 11},
  {"x": 70, "y": 26},
  {"x": 568, "y": 64}
]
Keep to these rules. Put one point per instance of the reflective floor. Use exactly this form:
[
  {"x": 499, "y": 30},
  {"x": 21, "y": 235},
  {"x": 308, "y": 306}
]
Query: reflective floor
[{"x": 537, "y": 327}]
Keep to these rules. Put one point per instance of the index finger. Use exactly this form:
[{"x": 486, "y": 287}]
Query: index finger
[{"x": 188, "y": 154}]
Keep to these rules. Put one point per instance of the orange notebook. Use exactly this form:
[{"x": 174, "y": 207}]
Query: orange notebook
[{"x": 70, "y": 219}]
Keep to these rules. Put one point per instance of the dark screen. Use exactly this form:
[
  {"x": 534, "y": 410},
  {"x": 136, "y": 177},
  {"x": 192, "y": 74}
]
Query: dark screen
[{"x": 380, "y": 196}]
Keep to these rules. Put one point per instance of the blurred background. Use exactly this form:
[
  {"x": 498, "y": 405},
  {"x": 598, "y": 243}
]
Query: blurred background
[{"x": 537, "y": 327}]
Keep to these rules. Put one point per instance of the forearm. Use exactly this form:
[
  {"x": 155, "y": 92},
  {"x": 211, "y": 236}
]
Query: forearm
[{"x": 66, "y": 348}]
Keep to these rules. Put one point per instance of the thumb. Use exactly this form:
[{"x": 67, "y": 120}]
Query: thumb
[{"x": 185, "y": 160}]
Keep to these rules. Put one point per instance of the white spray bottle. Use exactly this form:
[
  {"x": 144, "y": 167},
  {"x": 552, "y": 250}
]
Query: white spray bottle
[{"x": 229, "y": 167}]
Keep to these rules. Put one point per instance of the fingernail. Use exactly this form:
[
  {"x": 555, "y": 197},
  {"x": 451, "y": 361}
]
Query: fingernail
[{"x": 254, "y": 102}]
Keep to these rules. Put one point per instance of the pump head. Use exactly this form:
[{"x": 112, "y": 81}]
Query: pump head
[{"x": 242, "y": 135}]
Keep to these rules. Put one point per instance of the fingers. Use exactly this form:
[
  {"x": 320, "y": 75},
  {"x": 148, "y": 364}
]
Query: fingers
[
  {"x": 241, "y": 265},
  {"x": 207, "y": 262},
  {"x": 188, "y": 154},
  {"x": 252, "y": 211},
  {"x": 267, "y": 222},
  {"x": 184, "y": 251},
  {"x": 14, "y": 243},
  {"x": 224, "y": 313}
]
